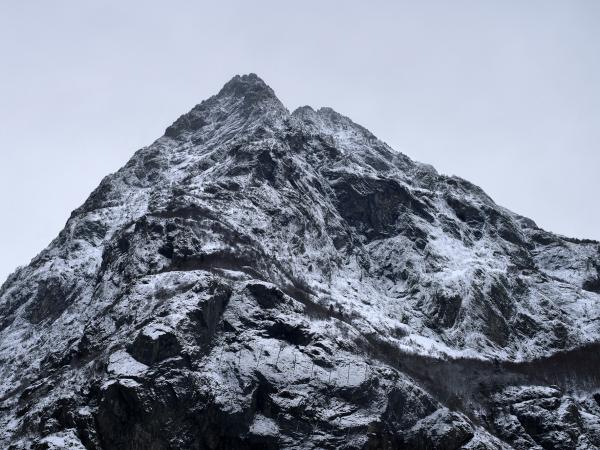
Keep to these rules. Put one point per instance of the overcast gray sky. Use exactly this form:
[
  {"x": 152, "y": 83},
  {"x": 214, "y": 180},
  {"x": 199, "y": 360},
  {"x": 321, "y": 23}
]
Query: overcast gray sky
[{"x": 503, "y": 93}]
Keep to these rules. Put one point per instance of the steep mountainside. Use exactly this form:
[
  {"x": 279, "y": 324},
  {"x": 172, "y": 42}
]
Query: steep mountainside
[{"x": 263, "y": 279}]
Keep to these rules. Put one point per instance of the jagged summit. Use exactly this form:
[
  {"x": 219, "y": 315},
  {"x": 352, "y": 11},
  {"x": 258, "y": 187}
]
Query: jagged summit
[
  {"x": 256, "y": 279},
  {"x": 245, "y": 98},
  {"x": 246, "y": 101},
  {"x": 247, "y": 85}
]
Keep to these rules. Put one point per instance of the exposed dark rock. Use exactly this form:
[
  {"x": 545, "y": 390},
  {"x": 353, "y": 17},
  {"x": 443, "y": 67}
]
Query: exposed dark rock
[
  {"x": 266, "y": 296},
  {"x": 443, "y": 310},
  {"x": 52, "y": 297},
  {"x": 295, "y": 334},
  {"x": 154, "y": 343},
  {"x": 374, "y": 206},
  {"x": 592, "y": 284},
  {"x": 465, "y": 212}
]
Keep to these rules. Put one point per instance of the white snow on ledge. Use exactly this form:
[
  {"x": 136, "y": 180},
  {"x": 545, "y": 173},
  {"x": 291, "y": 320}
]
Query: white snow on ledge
[
  {"x": 62, "y": 440},
  {"x": 263, "y": 426},
  {"x": 123, "y": 364}
]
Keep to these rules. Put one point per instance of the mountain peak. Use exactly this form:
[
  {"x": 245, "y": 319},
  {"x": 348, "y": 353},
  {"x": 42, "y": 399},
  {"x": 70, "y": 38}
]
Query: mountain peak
[
  {"x": 247, "y": 85},
  {"x": 245, "y": 96},
  {"x": 264, "y": 280}
]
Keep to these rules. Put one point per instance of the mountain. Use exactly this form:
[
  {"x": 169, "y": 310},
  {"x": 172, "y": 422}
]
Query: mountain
[{"x": 260, "y": 279}]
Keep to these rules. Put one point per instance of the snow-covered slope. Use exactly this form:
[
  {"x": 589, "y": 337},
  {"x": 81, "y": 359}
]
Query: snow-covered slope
[{"x": 263, "y": 279}]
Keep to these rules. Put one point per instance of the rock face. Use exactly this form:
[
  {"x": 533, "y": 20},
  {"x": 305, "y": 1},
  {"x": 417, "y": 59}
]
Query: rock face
[{"x": 259, "y": 279}]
